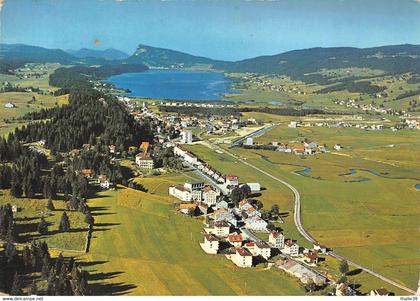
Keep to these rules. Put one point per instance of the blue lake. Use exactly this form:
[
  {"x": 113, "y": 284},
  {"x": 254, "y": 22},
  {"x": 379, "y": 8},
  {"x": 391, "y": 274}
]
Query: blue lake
[
  {"x": 174, "y": 84},
  {"x": 418, "y": 186}
]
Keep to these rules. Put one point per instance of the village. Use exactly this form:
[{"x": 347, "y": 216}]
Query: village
[{"x": 232, "y": 217}]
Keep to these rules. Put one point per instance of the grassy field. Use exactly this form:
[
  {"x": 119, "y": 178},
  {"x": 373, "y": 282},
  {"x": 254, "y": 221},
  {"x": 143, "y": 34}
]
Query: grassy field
[
  {"x": 20, "y": 99},
  {"x": 141, "y": 246},
  {"x": 32, "y": 81},
  {"x": 31, "y": 210}
]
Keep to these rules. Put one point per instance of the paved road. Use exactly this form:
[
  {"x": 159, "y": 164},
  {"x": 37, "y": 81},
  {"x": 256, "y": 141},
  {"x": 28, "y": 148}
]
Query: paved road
[
  {"x": 253, "y": 134},
  {"x": 307, "y": 236}
]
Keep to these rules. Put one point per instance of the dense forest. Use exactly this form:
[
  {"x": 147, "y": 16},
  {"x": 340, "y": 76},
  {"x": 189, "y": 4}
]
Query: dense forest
[
  {"x": 353, "y": 87},
  {"x": 90, "y": 117},
  {"x": 63, "y": 276}
]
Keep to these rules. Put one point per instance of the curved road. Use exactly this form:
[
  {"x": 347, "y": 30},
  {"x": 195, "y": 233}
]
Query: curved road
[{"x": 306, "y": 235}]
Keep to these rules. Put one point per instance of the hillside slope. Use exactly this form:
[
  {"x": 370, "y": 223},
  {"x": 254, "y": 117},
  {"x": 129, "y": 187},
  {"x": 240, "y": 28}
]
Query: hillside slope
[{"x": 297, "y": 63}]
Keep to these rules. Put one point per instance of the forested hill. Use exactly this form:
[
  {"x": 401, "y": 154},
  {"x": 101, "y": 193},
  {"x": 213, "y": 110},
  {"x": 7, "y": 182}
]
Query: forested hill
[
  {"x": 161, "y": 57},
  {"x": 13, "y": 56},
  {"x": 21, "y": 52},
  {"x": 90, "y": 117},
  {"x": 80, "y": 76},
  {"x": 298, "y": 63},
  {"x": 107, "y": 54}
]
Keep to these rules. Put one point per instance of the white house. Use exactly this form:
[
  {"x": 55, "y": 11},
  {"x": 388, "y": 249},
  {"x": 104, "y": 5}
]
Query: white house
[
  {"x": 180, "y": 192},
  {"x": 225, "y": 215},
  {"x": 244, "y": 205},
  {"x": 242, "y": 258},
  {"x": 9, "y": 105},
  {"x": 311, "y": 257},
  {"x": 249, "y": 141},
  {"x": 251, "y": 212},
  {"x": 232, "y": 180},
  {"x": 379, "y": 292},
  {"x": 210, "y": 196},
  {"x": 194, "y": 185},
  {"x": 320, "y": 248},
  {"x": 188, "y": 157},
  {"x": 221, "y": 228},
  {"x": 290, "y": 248},
  {"x": 293, "y": 124},
  {"x": 343, "y": 289},
  {"x": 263, "y": 249},
  {"x": 222, "y": 204},
  {"x": 254, "y": 186},
  {"x": 235, "y": 239},
  {"x": 144, "y": 161},
  {"x": 186, "y": 136},
  {"x": 338, "y": 147},
  {"x": 276, "y": 239},
  {"x": 256, "y": 223},
  {"x": 103, "y": 182},
  {"x": 211, "y": 244}
]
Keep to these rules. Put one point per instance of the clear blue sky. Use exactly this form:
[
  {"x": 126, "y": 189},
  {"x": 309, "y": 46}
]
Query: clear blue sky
[{"x": 221, "y": 29}]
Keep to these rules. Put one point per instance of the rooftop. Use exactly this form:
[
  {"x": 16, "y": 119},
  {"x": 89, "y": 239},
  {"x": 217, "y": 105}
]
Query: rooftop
[{"x": 243, "y": 252}]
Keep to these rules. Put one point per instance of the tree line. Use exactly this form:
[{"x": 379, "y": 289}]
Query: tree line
[
  {"x": 63, "y": 276},
  {"x": 237, "y": 111}
]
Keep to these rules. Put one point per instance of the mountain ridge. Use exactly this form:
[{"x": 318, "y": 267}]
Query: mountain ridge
[
  {"x": 107, "y": 54},
  {"x": 300, "y": 64}
]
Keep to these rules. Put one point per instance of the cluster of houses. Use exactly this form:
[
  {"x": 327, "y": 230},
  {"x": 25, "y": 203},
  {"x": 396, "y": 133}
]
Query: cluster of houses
[
  {"x": 413, "y": 123},
  {"x": 194, "y": 104},
  {"x": 351, "y": 103},
  {"x": 245, "y": 251},
  {"x": 373, "y": 127},
  {"x": 192, "y": 159},
  {"x": 301, "y": 149},
  {"x": 268, "y": 85}
]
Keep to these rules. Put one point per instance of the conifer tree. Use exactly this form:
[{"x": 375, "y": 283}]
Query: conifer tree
[
  {"x": 33, "y": 289},
  {"x": 64, "y": 223},
  {"x": 16, "y": 286},
  {"x": 43, "y": 226},
  {"x": 50, "y": 205}
]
